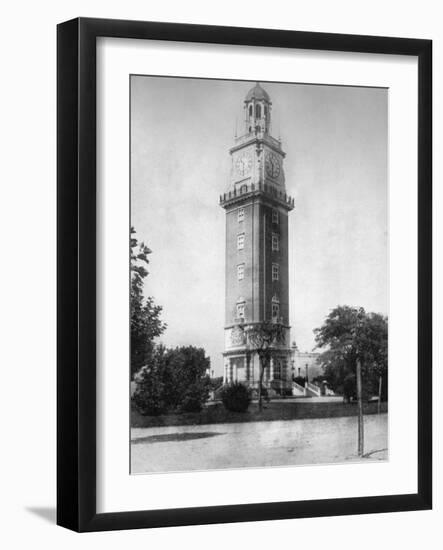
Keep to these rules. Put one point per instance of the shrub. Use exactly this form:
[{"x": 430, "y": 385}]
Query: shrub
[
  {"x": 188, "y": 380},
  {"x": 215, "y": 383},
  {"x": 149, "y": 398},
  {"x": 300, "y": 380},
  {"x": 175, "y": 380},
  {"x": 193, "y": 399},
  {"x": 236, "y": 397}
]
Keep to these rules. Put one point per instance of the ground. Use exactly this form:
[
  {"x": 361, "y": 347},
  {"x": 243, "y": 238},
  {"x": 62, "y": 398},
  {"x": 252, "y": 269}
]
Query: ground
[{"x": 256, "y": 444}]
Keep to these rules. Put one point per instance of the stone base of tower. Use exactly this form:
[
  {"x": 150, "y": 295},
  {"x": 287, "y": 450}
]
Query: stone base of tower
[{"x": 243, "y": 366}]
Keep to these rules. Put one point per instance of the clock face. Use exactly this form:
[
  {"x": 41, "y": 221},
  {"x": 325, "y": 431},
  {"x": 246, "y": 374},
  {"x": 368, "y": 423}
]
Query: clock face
[
  {"x": 272, "y": 165},
  {"x": 243, "y": 165}
]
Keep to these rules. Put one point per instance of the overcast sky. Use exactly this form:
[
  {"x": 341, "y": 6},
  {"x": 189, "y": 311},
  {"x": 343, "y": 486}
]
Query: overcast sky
[{"x": 336, "y": 168}]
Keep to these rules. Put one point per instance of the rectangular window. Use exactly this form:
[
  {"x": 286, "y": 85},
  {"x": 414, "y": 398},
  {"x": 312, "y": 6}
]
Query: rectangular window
[
  {"x": 275, "y": 311},
  {"x": 241, "y": 272},
  {"x": 275, "y": 272},
  {"x": 240, "y": 311},
  {"x": 240, "y": 241},
  {"x": 284, "y": 369},
  {"x": 274, "y": 216},
  {"x": 241, "y": 214},
  {"x": 277, "y": 370},
  {"x": 275, "y": 242}
]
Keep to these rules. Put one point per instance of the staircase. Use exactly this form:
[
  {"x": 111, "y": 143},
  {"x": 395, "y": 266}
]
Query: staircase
[
  {"x": 309, "y": 390},
  {"x": 297, "y": 390},
  {"x": 312, "y": 390}
]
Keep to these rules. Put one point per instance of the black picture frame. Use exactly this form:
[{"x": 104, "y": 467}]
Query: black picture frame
[{"x": 76, "y": 295}]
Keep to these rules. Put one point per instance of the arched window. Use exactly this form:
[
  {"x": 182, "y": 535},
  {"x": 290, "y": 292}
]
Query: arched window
[
  {"x": 250, "y": 110},
  {"x": 257, "y": 111},
  {"x": 265, "y": 111}
]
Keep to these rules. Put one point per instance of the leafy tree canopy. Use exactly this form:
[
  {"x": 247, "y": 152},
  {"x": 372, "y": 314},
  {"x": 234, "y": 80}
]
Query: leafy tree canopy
[
  {"x": 174, "y": 380},
  {"x": 348, "y": 334},
  {"x": 146, "y": 324},
  {"x": 263, "y": 337}
]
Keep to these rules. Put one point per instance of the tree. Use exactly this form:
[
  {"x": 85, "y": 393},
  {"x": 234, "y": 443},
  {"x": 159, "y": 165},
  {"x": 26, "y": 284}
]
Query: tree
[
  {"x": 146, "y": 324},
  {"x": 341, "y": 340},
  {"x": 150, "y": 396},
  {"x": 356, "y": 352},
  {"x": 174, "y": 380},
  {"x": 262, "y": 338},
  {"x": 190, "y": 383}
]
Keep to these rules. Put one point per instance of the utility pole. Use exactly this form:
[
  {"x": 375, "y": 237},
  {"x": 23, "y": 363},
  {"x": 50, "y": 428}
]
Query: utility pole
[{"x": 360, "y": 409}]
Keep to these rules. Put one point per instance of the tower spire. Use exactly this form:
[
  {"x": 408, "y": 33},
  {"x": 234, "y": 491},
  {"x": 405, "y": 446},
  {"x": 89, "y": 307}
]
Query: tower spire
[{"x": 257, "y": 107}]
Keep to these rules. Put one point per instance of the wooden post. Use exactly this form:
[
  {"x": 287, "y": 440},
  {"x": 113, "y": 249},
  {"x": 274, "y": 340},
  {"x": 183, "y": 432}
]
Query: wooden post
[
  {"x": 379, "y": 395},
  {"x": 260, "y": 382},
  {"x": 360, "y": 410}
]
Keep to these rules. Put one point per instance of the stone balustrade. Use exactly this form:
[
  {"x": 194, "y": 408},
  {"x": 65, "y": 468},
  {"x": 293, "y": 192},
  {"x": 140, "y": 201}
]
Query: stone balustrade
[{"x": 258, "y": 188}]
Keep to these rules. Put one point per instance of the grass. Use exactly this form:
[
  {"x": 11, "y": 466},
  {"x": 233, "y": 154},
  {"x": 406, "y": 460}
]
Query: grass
[{"x": 276, "y": 410}]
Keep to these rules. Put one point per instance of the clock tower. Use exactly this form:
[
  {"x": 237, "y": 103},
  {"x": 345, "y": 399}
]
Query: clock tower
[{"x": 257, "y": 282}]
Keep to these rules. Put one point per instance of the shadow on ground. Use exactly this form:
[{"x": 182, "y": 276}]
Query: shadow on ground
[
  {"x": 174, "y": 437},
  {"x": 380, "y": 454},
  {"x": 48, "y": 514}
]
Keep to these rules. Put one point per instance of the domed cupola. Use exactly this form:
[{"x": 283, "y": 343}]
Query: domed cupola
[
  {"x": 257, "y": 93},
  {"x": 257, "y": 110}
]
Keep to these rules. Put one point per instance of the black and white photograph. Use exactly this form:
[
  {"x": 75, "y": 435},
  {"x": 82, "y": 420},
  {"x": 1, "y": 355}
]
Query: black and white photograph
[
  {"x": 259, "y": 274},
  {"x": 222, "y": 313}
]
